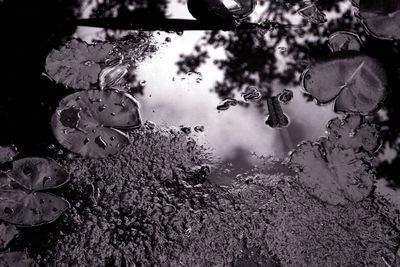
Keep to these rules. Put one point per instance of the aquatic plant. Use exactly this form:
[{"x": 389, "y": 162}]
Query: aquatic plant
[
  {"x": 7, "y": 153},
  {"x": 77, "y": 65},
  {"x": 381, "y": 18},
  {"x": 16, "y": 259},
  {"x": 335, "y": 169},
  {"x": 7, "y": 233},
  {"x": 23, "y": 200},
  {"x": 355, "y": 81},
  {"x": 344, "y": 41},
  {"x": 89, "y": 122},
  {"x": 159, "y": 217}
]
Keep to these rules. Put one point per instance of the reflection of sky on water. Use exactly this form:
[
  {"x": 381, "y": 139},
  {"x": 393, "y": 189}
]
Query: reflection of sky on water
[{"x": 172, "y": 99}]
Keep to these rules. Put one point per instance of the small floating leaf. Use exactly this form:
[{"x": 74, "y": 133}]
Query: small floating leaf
[
  {"x": 251, "y": 94},
  {"x": 38, "y": 173},
  {"x": 344, "y": 41},
  {"x": 226, "y": 104},
  {"x": 100, "y": 114},
  {"x": 358, "y": 82},
  {"x": 77, "y": 64},
  {"x": 381, "y": 18},
  {"x": 112, "y": 75},
  {"x": 285, "y": 96}
]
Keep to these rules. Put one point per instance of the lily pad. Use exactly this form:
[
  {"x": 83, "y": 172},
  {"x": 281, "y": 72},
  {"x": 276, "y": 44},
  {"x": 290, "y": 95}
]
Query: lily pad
[
  {"x": 344, "y": 41},
  {"x": 334, "y": 175},
  {"x": 381, "y": 18},
  {"x": 15, "y": 259},
  {"x": 357, "y": 82},
  {"x": 77, "y": 64},
  {"x": 38, "y": 173},
  {"x": 30, "y": 208},
  {"x": 87, "y": 122},
  {"x": 352, "y": 132},
  {"x": 21, "y": 203},
  {"x": 7, "y": 233}
]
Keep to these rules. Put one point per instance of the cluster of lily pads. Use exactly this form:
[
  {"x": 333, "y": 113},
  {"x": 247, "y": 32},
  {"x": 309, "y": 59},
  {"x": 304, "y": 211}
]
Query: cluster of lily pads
[
  {"x": 89, "y": 122},
  {"x": 25, "y": 202}
]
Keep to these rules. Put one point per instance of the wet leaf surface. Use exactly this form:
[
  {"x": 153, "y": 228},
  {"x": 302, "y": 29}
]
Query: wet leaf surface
[
  {"x": 381, "y": 18},
  {"x": 15, "y": 259},
  {"x": 357, "y": 82},
  {"x": 344, "y": 41},
  {"x": 38, "y": 173},
  {"x": 21, "y": 203},
  {"x": 86, "y": 122},
  {"x": 77, "y": 64}
]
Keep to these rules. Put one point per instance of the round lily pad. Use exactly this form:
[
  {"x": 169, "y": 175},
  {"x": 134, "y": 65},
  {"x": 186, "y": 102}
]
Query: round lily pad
[
  {"x": 26, "y": 208},
  {"x": 381, "y": 18},
  {"x": 357, "y": 82},
  {"x": 344, "y": 41},
  {"x": 77, "y": 64},
  {"x": 38, "y": 173},
  {"x": 334, "y": 175},
  {"x": 87, "y": 122}
]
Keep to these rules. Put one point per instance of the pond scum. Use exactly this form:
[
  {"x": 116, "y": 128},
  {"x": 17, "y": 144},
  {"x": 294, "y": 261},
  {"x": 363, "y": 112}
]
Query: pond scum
[{"x": 152, "y": 206}]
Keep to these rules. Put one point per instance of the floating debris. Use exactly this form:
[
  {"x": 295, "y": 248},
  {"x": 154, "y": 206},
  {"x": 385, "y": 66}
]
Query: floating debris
[
  {"x": 226, "y": 104},
  {"x": 151, "y": 125},
  {"x": 186, "y": 130},
  {"x": 285, "y": 96},
  {"x": 16, "y": 259},
  {"x": 199, "y": 128},
  {"x": 311, "y": 13},
  {"x": 276, "y": 118},
  {"x": 7, "y": 233},
  {"x": 112, "y": 76},
  {"x": 344, "y": 41},
  {"x": 251, "y": 94}
]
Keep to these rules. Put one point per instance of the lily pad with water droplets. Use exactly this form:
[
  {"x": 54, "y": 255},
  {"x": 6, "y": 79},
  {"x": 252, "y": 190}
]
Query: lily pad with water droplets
[
  {"x": 381, "y": 18},
  {"x": 357, "y": 82},
  {"x": 87, "y": 122},
  {"x": 38, "y": 173},
  {"x": 77, "y": 64},
  {"x": 21, "y": 203}
]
